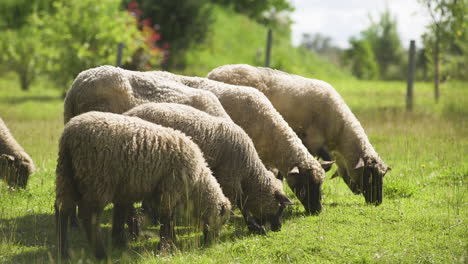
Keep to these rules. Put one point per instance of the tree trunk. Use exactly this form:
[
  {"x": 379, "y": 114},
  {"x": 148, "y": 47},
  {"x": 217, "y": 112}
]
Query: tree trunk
[
  {"x": 436, "y": 65},
  {"x": 24, "y": 80}
]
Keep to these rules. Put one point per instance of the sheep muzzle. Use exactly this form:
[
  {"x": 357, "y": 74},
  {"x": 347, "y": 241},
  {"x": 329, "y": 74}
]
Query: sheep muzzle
[{"x": 372, "y": 185}]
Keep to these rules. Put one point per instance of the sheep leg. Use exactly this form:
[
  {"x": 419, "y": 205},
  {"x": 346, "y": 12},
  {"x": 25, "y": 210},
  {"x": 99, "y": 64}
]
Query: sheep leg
[
  {"x": 133, "y": 222},
  {"x": 120, "y": 213},
  {"x": 61, "y": 223},
  {"x": 91, "y": 218},
  {"x": 250, "y": 221},
  {"x": 167, "y": 231},
  {"x": 150, "y": 211}
]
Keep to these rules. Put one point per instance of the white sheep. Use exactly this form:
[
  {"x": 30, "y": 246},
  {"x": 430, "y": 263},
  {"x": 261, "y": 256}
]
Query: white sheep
[
  {"x": 108, "y": 158},
  {"x": 115, "y": 90},
  {"x": 276, "y": 143},
  {"x": 15, "y": 164},
  {"x": 231, "y": 156},
  {"x": 321, "y": 118}
]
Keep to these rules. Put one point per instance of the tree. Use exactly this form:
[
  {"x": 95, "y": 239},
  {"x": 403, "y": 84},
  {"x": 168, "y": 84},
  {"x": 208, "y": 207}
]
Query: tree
[
  {"x": 361, "y": 59},
  {"x": 322, "y": 45},
  {"x": 447, "y": 33},
  {"x": 20, "y": 42},
  {"x": 20, "y": 53},
  {"x": 385, "y": 42},
  {"x": 181, "y": 23},
  {"x": 256, "y": 9},
  {"x": 14, "y": 14},
  {"x": 81, "y": 34}
]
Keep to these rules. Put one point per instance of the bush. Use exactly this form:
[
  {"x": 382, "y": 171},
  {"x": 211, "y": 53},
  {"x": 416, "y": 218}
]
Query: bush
[{"x": 81, "y": 34}]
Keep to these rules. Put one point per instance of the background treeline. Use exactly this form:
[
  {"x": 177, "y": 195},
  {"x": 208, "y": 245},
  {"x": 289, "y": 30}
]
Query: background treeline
[
  {"x": 378, "y": 53},
  {"x": 56, "y": 39}
]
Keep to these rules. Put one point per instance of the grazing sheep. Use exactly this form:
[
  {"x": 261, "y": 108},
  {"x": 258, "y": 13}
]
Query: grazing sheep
[
  {"x": 321, "y": 118},
  {"x": 231, "y": 156},
  {"x": 15, "y": 163},
  {"x": 277, "y": 144},
  {"x": 108, "y": 158},
  {"x": 115, "y": 90}
]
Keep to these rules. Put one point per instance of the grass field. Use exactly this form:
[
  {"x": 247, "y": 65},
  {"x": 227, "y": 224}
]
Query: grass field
[{"x": 423, "y": 218}]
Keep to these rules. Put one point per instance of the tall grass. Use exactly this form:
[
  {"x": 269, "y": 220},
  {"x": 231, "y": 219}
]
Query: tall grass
[{"x": 423, "y": 217}]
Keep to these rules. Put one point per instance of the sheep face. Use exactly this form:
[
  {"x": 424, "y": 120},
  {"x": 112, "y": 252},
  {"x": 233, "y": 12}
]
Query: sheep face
[
  {"x": 307, "y": 189},
  {"x": 367, "y": 179},
  {"x": 14, "y": 171},
  {"x": 215, "y": 221},
  {"x": 275, "y": 219},
  {"x": 268, "y": 206}
]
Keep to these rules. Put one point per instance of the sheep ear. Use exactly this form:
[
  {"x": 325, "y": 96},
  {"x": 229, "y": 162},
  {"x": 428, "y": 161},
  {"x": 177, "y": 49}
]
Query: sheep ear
[
  {"x": 359, "y": 164},
  {"x": 294, "y": 170},
  {"x": 326, "y": 165},
  {"x": 282, "y": 199}
]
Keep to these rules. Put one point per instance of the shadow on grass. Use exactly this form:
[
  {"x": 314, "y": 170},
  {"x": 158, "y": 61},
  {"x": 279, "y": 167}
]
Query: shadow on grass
[
  {"x": 32, "y": 239},
  {"x": 35, "y": 98}
]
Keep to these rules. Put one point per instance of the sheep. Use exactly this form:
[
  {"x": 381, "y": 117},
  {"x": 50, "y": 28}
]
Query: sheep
[
  {"x": 109, "y": 158},
  {"x": 232, "y": 157},
  {"x": 321, "y": 118},
  {"x": 115, "y": 90},
  {"x": 15, "y": 164},
  {"x": 277, "y": 144}
]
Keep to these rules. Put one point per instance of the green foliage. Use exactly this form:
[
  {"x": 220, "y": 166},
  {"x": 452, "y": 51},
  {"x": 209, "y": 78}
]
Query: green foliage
[
  {"x": 14, "y": 14},
  {"x": 382, "y": 37},
  {"x": 21, "y": 50},
  {"x": 256, "y": 9},
  {"x": 385, "y": 42},
  {"x": 81, "y": 34},
  {"x": 181, "y": 23},
  {"x": 448, "y": 33},
  {"x": 236, "y": 38},
  {"x": 361, "y": 59}
]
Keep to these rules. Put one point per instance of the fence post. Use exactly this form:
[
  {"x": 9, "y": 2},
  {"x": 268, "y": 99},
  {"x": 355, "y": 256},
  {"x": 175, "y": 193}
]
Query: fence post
[
  {"x": 119, "y": 54},
  {"x": 268, "y": 47},
  {"x": 411, "y": 70}
]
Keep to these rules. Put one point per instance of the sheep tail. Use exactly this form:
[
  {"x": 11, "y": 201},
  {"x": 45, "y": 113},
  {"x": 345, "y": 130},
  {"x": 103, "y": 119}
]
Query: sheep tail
[
  {"x": 65, "y": 201},
  {"x": 66, "y": 193}
]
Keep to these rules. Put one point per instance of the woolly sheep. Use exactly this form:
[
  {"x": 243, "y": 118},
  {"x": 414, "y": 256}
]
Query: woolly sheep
[
  {"x": 232, "y": 157},
  {"x": 277, "y": 144},
  {"x": 321, "y": 118},
  {"x": 115, "y": 90},
  {"x": 15, "y": 163},
  {"x": 108, "y": 158}
]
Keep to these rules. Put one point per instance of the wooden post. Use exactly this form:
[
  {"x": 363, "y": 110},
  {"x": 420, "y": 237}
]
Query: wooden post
[
  {"x": 119, "y": 54},
  {"x": 268, "y": 47},
  {"x": 437, "y": 65},
  {"x": 411, "y": 70}
]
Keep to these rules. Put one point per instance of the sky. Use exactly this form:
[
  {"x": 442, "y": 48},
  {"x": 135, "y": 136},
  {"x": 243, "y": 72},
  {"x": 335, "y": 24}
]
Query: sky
[{"x": 341, "y": 19}]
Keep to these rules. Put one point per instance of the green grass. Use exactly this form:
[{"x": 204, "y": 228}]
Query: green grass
[
  {"x": 237, "y": 39},
  {"x": 423, "y": 218}
]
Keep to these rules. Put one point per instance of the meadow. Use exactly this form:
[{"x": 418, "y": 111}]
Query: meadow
[{"x": 423, "y": 218}]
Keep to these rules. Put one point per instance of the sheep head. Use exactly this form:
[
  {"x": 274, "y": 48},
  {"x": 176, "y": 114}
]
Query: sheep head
[
  {"x": 268, "y": 204},
  {"x": 215, "y": 221},
  {"x": 14, "y": 171},
  {"x": 307, "y": 187},
  {"x": 367, "y": 178},
  {"x": 275, "y": 219}
]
